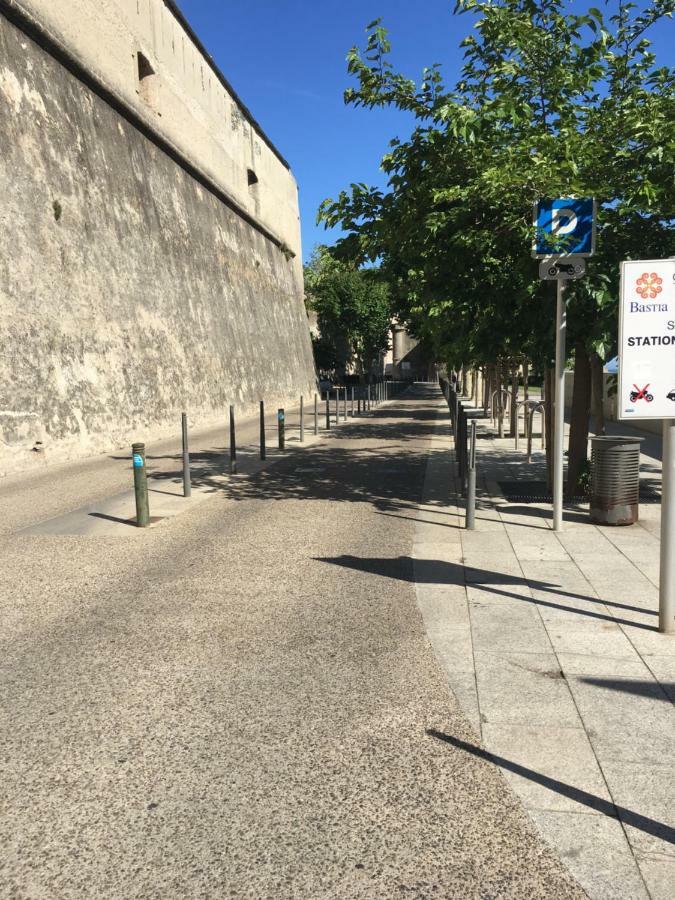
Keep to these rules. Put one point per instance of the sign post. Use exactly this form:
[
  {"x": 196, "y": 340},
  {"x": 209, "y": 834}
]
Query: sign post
[
  {"x": 647, "y": 388},
  {"x": 564, "y": 236},
  {"x": 559, "y": 414}
]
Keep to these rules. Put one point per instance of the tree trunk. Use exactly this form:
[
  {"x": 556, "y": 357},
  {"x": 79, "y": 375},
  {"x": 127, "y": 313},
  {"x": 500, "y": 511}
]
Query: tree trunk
[
  {"x": 597, "y": 393},
  {"x": 580, "y": 418},
  {"x": 489, "y": 379},
  {"x": 500, "y": 401},
  {"x": 548, "y": 422}
]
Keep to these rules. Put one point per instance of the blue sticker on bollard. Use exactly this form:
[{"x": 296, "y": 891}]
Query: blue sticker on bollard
[
  {"x": 281, "y": 417},
  {"x": 138, "y": 461}
]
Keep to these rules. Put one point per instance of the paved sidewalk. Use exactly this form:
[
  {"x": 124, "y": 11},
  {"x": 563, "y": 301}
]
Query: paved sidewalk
[
  {"x": 550, "y": 643},
  {"x": 244, "y": 703}
]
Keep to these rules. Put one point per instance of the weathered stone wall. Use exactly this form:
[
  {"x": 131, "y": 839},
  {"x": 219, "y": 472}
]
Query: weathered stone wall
[
  {"x": 128, "y": 291},
  {"x": 186, "y": 99}
]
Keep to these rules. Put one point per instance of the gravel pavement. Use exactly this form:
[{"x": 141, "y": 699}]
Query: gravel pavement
[{"x": 231, "y": 707}]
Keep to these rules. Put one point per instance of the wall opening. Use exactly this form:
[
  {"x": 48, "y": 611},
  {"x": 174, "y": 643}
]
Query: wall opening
[
  {"x": 252, "y": 178},
  {"x": 145, "y": 70},
  {"x": 147, "y": 80}
]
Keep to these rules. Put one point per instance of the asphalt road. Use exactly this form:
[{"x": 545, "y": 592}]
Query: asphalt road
[{"x": 228, "y": 708}]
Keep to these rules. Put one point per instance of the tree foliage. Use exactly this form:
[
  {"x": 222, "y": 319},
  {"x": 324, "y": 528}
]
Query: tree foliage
[
  {"x": 353, "y": 311},
  {"x": 549, "y": 103}
]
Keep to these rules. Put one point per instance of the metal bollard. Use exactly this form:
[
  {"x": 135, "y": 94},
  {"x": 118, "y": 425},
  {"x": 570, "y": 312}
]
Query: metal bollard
[
  {"x": 471, "y": 483},
  {"x": 344, "y": 406},
  {"x": 140, "y": 485},
  {"x": 316, "y": 414},
  {"x": 187, "y": 484},
  {"x": 368, "y": 398},
  {"x": 263, "y": 452},
  {"x": 302, "y": 418},
  {"x": 233, "y": 444},
  {"x": 358, "y": 403},
  {"x": 281, "y": 423},
  {"x": 327, "y": 412},
  {"x": 352, "y": 399},
  {"x": 337, "y": 406}
]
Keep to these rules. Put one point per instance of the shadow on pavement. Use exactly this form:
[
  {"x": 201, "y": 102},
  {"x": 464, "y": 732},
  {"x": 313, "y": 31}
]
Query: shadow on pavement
[
  {"x": 664, "y": 690},
  {"x": 389, "y": 476},
  {"x": 435, "y": 571},
  {"x": 627, "y": 816}
]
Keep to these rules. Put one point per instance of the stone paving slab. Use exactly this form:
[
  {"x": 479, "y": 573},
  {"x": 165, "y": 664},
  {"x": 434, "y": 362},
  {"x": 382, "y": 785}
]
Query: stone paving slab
[{"x": 573, "y": 682}]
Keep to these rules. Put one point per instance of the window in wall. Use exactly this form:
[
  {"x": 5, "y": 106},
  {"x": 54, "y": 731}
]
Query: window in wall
[
  {"x": 253, "y": 188},
  {"x": 145, "y": 70},
  {"x": 148, "y": 81}
]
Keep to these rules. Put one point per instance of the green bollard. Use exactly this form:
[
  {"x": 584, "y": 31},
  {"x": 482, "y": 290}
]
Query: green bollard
[
  {"x": 140, "y": 485},
  {"x": 262, "y": 430},
  {"x": 281, "y": 420},
  {"x": 233, "y": 444},
  {"x": 187, "y": 484}
]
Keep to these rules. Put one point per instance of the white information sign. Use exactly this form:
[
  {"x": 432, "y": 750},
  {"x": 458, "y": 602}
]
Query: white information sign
[{"x": 647, "y": 340}]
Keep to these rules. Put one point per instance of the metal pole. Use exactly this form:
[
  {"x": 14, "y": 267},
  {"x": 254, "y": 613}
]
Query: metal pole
[
  {"x": 187, "y": 485},
  {"x": 667, "y": 580},
  {"x": 262, "y": 430},
  {"x": 233, "y": 444},
  {"x": 559, "y": 417},
  {"x": 337, "y": 406},
  {"x": 302, "y": 418},
  {"x": 140, "y": 485},
  {"x": 281, "y": 421},
  {"x": 517, "y": 429},
  {"x": 344, "y": 406},
  {"x": 316, "y": 413},
  {"x": 327, "y": 411},
  {"x": 471, "y": 485},
  {"x": 352, "y": 399}
]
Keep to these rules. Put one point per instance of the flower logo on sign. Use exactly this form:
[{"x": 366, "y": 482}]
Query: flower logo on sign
[{"x": 649, "y": 285}]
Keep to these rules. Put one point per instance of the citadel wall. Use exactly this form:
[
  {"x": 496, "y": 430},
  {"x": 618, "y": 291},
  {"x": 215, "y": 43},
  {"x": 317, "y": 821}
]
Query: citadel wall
[{"x": 133, "y": 282}]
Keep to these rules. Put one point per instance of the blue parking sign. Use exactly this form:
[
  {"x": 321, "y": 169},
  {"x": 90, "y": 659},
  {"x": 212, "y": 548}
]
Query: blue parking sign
[{"x": 564, "y": 227}]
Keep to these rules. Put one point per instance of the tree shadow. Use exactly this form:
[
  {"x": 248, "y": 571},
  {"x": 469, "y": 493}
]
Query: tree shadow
[
  {"x": 606, "y": 807},
  {"x": 389, "y": 475}
]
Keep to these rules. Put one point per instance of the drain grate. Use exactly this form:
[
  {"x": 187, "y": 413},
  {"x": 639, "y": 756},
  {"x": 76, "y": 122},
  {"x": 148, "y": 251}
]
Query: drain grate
[
  {"x": 538, "y": 492},
  {"x": 525, "y": 491}
]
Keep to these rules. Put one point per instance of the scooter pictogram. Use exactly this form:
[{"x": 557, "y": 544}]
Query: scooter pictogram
[{"x": 643, "y": 394}]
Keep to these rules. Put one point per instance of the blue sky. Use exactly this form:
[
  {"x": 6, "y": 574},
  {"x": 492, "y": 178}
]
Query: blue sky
[{"x": 286, "y": 59}]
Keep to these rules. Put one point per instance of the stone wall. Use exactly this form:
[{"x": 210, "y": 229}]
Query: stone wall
[
  {"x": 128, "y": 290},
  {"x": 183, "y": 96}
]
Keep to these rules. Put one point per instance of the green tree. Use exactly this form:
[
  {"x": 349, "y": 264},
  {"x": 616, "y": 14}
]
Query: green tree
[
  {"x": 549, "y": 104},
  {"x": 353, "y": 310}
]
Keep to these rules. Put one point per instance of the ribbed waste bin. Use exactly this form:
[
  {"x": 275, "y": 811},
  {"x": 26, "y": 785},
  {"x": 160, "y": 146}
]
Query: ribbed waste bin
[{"x": 615, "y": 480}]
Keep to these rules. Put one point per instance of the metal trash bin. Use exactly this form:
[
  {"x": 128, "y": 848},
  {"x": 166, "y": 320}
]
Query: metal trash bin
[{"x": 615, "y": 480}]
